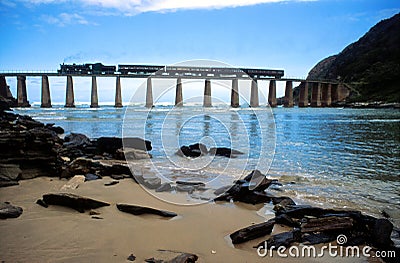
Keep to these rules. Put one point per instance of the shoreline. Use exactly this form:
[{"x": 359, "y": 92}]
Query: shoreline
[{"x": 58, "y": 234}]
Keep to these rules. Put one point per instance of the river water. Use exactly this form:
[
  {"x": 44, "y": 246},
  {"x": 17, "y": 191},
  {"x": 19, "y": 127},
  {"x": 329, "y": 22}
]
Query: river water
[{"x": 332, "y": 157}]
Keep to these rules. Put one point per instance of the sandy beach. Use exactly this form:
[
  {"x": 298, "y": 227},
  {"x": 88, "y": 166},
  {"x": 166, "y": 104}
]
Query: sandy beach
[{"x": 59, "y": 234}]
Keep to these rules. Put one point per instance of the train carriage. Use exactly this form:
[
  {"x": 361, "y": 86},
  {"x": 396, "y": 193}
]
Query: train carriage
[{"x": 124, "y": 69}]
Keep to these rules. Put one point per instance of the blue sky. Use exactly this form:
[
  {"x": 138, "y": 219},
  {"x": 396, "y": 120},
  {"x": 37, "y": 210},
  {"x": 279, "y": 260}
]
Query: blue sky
[{"x": 292, "y": 35}]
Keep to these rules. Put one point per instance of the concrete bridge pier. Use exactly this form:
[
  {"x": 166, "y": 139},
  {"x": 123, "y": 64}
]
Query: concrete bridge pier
[
  {"x": 207, "y": 94},
  {"x": 22, "y": 97},
  {"x": 316, "y": 95},
  {"x": 339, "y": 93},
  {"x": 235, "y": 93},
  {"x": 326, "y": 95},
  {"x": 149, "y": 94},
  {"x": 272, "y": 93},
  {"x": 254, "y": 101},
  {"x": 178, "y": 93},
  {"x": 69, "y": 98},
  {"x": 303, "y": 96},
  {"x": 94, "y": 99},
  {"x": 118, "y": 96},
  {"x": 334, "y": 93},
  {"x": 288, "y": 100},
  {"x": 46, "y": 100}
]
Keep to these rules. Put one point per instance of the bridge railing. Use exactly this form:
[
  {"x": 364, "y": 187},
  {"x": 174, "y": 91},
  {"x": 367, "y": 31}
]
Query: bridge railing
[{"x": 28, "y": 71}]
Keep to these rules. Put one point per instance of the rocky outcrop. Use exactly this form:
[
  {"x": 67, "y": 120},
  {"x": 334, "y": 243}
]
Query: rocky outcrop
[
  {"x": 79, "y": 145},
  {"x": 7, "y": 101},
  {"x": 314, "y": 225},
  {"x": 28, "y": 149}
]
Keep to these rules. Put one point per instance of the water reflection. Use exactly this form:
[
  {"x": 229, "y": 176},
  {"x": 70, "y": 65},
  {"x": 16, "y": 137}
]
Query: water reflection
[
  {"x": 206, "y": 125},
  {"x": 234, "y": 124},
  {"x": 254, "y": 136},
  {"x": 149, "y": 124}
]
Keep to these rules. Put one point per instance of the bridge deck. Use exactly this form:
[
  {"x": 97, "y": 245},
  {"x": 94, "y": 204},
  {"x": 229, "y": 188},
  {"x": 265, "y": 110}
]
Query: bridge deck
[{"x": 146, "y": 75}]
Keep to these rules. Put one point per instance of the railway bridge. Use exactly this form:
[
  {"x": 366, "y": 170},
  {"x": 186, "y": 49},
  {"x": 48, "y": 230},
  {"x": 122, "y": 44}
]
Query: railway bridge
[{"x": 323, "y": 93}]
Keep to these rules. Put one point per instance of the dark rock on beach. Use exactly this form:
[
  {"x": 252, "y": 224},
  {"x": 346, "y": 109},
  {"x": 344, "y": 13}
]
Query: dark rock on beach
[
  {"x": 327, "y": 224},
  {"x": 193, "y": 150},
  {"x": 42, "y": 203},
  {"x": 314, "y": 225},
  {"x": 165, "y": 187},
  {"x": 148, "y": 182},
  {"x": 56, "y": 129},
  {"x": 28, "y": 151},
  {"x": 77, "y": 140},
  {"x": 317, "y": 238},
  {"x": 185, "y": 188},
  {"x": 252, "y": 232},
  {"x": 29, "y": 148},
  {"x": 186, "y": 151},
  {"x": 112, "y": 144},
  {"x": 131, "y": 257},
  {"x": 182, "y": 258},
  {"x": 250, "y": 190},
  {"x": 223, "y": 151},
  {"x": 111, "y": 183},
  {"x": 9, "y": 211},
  {"x": 284, "y": 239},
  {"x": 131, "y": 154},
  {"x": 284, "y": 219},
  {"x": 8, "y": 183},
  {"x": 91, "y": 177},
  {"x": 199, "y": 149},
  {"x": 140, "y": 210},
  {"x": 98, "y": 168},
  {"x": 76, "y": 202},
  {"x": 381, "y": 232}
]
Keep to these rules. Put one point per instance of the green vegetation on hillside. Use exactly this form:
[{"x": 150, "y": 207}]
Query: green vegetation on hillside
[{"x": 371, "y": 66}]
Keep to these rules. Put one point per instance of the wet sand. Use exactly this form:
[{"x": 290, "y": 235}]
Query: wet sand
[{"x": 59, "y": 234}]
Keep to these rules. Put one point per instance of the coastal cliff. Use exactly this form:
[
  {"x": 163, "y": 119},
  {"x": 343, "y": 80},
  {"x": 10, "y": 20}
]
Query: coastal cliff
[{"x": 370, "y": 66}]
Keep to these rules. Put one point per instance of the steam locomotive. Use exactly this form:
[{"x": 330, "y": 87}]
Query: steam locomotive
[
  {"x": 99, "y": 68},
  {"x": 96, "y": 68}
]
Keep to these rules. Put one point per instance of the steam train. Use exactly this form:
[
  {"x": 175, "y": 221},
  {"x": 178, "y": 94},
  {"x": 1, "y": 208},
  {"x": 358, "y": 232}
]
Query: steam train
[
  {"x": 96, "y": 68},
  {"x": 99, "y": 68}
]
